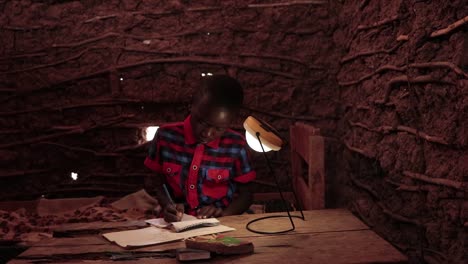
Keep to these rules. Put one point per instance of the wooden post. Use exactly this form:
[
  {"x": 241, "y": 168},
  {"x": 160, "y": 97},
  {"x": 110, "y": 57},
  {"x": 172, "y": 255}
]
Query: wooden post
[{"x": 308, "y": 150}]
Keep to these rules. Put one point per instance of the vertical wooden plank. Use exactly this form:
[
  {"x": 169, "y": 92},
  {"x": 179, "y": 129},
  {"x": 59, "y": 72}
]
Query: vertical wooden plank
[
  {"x": 308, "y": 148},
  {"x": 296, "y": 166},
  {"x": 303, "y": 193},
  {"x": 317, "y": 172}
]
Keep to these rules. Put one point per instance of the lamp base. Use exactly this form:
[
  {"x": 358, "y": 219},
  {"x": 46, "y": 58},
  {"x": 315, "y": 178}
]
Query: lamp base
[{"x": 272, "y": 232}]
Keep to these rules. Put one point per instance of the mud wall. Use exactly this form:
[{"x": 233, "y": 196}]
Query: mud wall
[{"x": 403, "y": 83}]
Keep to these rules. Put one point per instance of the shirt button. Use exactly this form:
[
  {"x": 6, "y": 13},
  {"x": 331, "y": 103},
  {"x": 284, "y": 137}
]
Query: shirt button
[
  {"x": 168, "y": 169},
  {"x": 219, "y": 177},
  {"x": 192, "y": 186},
  {"x": 194, "y": 167}
]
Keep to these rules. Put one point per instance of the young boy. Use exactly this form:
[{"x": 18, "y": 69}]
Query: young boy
[{"x": 205, "y": 165}]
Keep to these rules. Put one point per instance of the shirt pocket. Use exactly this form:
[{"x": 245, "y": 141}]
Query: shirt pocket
[
  {"x": 172, "y": 172},
  {"x": 216, "y": 183}
]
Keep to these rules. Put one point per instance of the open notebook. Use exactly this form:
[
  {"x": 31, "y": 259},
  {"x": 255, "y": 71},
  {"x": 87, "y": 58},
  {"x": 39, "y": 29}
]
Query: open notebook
[
  {"x": 157, "y": 235},
  {"x": 188, "y": 222}
]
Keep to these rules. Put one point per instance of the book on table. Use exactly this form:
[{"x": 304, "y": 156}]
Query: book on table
[
  {"x": 220, "y": 244},
  {"x": 162, "y": 232}
]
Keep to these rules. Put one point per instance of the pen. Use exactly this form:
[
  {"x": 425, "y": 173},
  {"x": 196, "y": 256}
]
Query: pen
[
  {"x": 179, "y": 213},
  {"x": 167, "y": 194}
]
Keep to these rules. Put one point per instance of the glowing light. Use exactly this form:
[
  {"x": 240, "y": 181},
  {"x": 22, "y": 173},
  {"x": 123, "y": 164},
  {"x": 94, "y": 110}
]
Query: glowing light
[
  {"x": 74, "y": 176},
  {"x": 209, "y": 74},
  {"x": 203, "y": 74},
  {"x": 121, "y": 79},
  {"x": 150, "y": 132},
  {"x": 268, "y": 136},
  {"x": 254, "y": 143}
]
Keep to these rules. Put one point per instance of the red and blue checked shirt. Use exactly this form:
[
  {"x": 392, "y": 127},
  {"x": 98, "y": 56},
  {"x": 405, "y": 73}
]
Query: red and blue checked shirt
[{"x": 203, "y": 174}]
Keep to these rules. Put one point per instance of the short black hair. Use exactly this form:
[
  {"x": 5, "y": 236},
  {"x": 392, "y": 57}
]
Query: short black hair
[{"x": 222, "y": 91}]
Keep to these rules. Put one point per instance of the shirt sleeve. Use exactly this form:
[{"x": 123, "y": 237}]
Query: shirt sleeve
[
  {"x": 153, "y": 160},
  {"x": 245, "y": 171}
]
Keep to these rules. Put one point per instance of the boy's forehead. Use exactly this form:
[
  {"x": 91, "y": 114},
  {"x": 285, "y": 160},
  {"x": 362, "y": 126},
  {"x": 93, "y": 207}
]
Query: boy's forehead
[
  {"x": 213, "y": 110},
  {"x": 213, "y": 113},
  {"x": 208, "y": 106},
  {"x": 206, "y": 101}
]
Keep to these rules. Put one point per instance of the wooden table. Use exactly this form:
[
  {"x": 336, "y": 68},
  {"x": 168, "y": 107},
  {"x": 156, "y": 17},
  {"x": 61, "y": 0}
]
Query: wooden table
[{"x": 326, "y": 236}]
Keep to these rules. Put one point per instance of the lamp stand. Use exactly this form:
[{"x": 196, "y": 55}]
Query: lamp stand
[{"x": 293, "y": 227}]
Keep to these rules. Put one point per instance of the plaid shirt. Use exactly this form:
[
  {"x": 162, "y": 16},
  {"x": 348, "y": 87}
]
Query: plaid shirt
[{"x": 202, "y": 173}]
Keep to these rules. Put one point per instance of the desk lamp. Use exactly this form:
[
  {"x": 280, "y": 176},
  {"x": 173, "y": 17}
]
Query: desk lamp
[{"x": 262, "y": 137}]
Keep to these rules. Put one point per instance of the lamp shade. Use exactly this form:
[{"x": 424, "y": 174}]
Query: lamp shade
[{"x": 268, "y": 136}]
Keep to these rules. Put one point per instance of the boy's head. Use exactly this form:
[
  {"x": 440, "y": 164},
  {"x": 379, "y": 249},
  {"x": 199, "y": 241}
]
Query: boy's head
[{"x": 215, "y": 106}]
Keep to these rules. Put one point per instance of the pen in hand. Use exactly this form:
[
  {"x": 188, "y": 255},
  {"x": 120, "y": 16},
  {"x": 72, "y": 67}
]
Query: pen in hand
[
  {"x": 168, "y": 196},
  {"x": 172, "y": 207}
]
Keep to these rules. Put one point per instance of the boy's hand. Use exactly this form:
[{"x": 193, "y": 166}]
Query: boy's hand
[
  {"x": 209, "y": 211},
  {"x": 173, "y": 212}
]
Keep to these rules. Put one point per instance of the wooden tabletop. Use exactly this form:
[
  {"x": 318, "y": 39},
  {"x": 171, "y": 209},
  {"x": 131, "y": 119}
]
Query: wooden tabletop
[{"x": 326, "y": 236}]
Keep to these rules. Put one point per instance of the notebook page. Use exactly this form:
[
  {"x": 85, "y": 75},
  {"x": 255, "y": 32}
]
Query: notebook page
[
  {"x": 159, "y": 222},
  {"x": 190, "y": 224}
]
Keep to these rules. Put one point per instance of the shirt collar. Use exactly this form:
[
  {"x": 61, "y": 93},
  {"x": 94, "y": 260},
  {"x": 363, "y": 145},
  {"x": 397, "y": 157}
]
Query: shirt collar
[{"x": 190, "y": 137}]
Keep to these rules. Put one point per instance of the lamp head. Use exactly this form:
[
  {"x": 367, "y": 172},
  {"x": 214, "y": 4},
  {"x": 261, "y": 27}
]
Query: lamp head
[{"x": 269, "y": 137}]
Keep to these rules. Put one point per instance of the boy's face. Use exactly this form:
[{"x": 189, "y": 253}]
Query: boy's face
[{"x": 209, "y": 122}]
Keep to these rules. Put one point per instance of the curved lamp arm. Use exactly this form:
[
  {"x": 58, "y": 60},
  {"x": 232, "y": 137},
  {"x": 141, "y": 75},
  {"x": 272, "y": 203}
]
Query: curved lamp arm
[{"x": 262, "y": 137}]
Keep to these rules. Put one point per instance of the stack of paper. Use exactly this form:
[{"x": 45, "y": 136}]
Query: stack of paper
[{"x": 156, "y": 235}]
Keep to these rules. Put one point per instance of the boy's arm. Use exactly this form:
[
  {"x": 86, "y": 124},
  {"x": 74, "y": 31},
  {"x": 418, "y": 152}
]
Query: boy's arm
[
  {"x": 241, "y": 203},
  {"x": 172, "y": 212}
]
